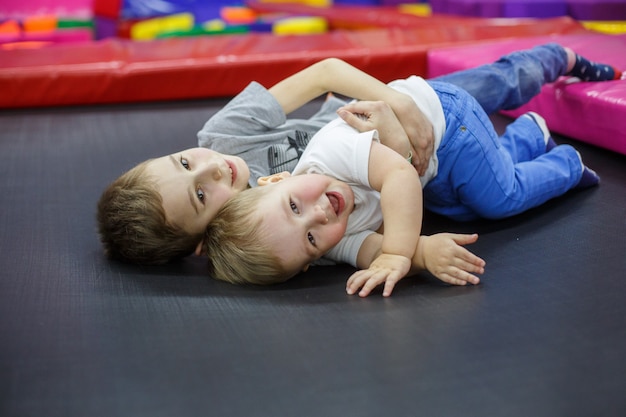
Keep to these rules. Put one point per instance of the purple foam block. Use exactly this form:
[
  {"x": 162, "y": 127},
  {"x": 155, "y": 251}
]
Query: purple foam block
[
  {"x": 597, "y": 9},
  {"x": 483, "y": 8},
  {"x": 534, "y": 8},
  {"x": 105, "y": 27}
]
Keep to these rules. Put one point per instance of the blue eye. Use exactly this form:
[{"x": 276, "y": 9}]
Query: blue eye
[
  {"x": 311, "y": 238},
  {"x": 200, "y": 194},
  {"x": 184, "y": 163},
  {"x": 293, "y": 206}
]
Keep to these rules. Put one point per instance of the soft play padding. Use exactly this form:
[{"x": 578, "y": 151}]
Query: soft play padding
[
  {"x": 502, "y": 8},
  {"x": 578, "y": 9},
  {"x": 116, "y": 71},
  {"x": 597, "y": 10},
  {"x": 351, "y": 17},
  {"x": 591, "y": 112}
]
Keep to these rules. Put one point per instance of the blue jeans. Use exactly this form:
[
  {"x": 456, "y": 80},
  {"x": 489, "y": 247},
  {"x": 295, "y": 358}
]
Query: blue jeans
[
  {"x": 512, "y": 80},
  {"x": 483, "y": 175}
]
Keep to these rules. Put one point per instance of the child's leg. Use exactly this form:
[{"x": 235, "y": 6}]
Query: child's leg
[
  {"x": 527, "y": 137},
  {"x": 512, "y": 80},
  {"x": 517, "y": 77},
  {"x": 477, "y": 176},
  {"x": 499, "y": 188}
]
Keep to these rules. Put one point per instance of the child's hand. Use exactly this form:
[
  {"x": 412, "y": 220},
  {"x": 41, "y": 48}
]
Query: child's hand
[
  {"x": 369, "y": 115},
  {"x": 401, "y": 126},
  {"x": 445, "y": 258},
  {"x": 386, "y": 268}
]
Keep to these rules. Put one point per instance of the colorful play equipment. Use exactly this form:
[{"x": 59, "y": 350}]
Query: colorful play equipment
[
  {"x": 43, "y": 30},
  {"x": 118, "y": 70},
  {"x": 184, "y": 53}
]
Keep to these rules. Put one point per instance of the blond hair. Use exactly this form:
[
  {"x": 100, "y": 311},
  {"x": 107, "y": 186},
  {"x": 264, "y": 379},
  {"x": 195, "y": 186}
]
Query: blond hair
[
  {"x": 236, "y": 246},
  {"x": 132, "y": 223}
]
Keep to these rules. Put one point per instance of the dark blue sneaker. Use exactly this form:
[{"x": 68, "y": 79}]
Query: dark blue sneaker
[{"x": 589, "y": 178}]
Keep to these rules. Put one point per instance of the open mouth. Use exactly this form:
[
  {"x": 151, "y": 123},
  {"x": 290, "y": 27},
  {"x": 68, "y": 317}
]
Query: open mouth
[
  {"x": 233, "y": 172},
  {"x": 337, "y": 202}
]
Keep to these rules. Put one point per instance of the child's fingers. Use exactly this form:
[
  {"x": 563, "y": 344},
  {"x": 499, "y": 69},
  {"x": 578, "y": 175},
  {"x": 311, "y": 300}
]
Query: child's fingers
[
  {"x": 367, "y": 281},
  {"x": 356, "y": 281},
  {"x": 464, "y": 254},
  {"x": 390, "y": 283},
  {"x": 459, "y": 277},
  {"x": 372, "y": 282},
  {"x": 351, "y": 119},
  {"x": 471, "y": 265},
  {"x": 464, "y": 239}
]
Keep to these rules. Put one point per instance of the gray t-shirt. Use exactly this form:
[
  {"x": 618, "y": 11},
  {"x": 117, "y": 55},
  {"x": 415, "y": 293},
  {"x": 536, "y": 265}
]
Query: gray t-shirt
[{"x": 254, "y": 127}]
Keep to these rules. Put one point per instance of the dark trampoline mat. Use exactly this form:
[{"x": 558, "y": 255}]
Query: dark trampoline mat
[{"x": 543, "y": 335}]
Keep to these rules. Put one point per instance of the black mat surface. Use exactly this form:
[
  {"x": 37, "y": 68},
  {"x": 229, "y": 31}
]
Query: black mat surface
[{"x": 543, "y": 335}]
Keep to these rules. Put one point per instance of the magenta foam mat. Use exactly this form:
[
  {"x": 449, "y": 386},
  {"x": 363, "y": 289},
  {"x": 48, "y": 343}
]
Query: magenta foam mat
[{"x": 590, "y": 112}]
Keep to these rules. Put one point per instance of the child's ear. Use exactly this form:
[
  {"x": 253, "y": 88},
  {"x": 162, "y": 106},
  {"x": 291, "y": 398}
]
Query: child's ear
[
  {"x": 272, "y": 179},
  {"x": 199, "y": 250}
]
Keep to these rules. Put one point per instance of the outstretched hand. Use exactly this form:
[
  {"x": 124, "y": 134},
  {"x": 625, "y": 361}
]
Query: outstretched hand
[
  {"x": 386, "y": 268},
  {"x": 444, "y": 256}
]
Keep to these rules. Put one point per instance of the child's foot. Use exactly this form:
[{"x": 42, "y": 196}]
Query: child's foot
[
  {"x": 541, "y": 122},
  {"x": 592, "y": 71},
  {"x": 589, "y": 178}
]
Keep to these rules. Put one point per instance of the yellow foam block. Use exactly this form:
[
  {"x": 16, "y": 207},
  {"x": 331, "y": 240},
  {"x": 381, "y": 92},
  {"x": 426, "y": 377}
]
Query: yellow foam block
[
  {"x": 300, "y": 26},
  {"x": 611, "y": 27},
  {"x": 150, "y": 28},
  {"x": 421, "y": 9},
  {"x": 313, "y": 3},
  {"x": 214, "y": 24}
]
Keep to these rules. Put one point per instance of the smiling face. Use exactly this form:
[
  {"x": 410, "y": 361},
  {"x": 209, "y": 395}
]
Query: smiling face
[
  {"x": 194, "y": 184},
  {"x": 304, "y": 217}
]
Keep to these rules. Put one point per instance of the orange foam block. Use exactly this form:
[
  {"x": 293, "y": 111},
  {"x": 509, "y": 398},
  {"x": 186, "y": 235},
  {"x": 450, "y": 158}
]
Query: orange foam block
[
  {"x": 40, "y": 23},
  {"x": 10, "y": 31},
  {"x": 238, "y": 15},
  {"x": 10, "y": 27}
]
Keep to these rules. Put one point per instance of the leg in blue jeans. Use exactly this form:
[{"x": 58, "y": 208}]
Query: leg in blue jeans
[
  {"x": 480, "y": 177},
  {"x": 523, "y": 140},
  {"x": 514, "y": 79}
]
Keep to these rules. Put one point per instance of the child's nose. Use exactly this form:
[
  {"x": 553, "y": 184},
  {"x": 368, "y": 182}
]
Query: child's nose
[
  {"x": 211, "y": 170},
  {"x": 319, "y": 215}
]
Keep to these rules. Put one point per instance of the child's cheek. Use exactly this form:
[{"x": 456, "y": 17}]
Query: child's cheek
[{"x": 339, "y": 232}]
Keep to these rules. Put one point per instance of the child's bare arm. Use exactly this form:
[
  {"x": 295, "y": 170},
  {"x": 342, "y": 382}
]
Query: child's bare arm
[
  {"x": 335, "y": 75},
  {"x": 442, "y": 254},
  {"x": 401, "y": 204}
]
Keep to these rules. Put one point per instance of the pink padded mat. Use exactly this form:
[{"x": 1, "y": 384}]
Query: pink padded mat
[{"x": 590, "y": 112}]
